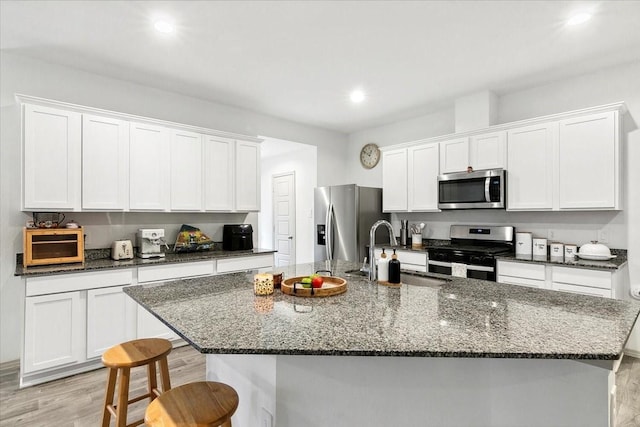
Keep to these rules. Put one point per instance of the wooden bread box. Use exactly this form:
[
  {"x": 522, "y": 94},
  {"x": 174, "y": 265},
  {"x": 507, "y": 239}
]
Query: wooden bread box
[{"x": 43, "y": 246}]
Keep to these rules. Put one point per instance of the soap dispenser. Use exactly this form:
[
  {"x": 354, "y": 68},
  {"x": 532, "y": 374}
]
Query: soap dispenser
[
  {"x": 394, "y": 268},
  {"x": 383, "y": 267}
]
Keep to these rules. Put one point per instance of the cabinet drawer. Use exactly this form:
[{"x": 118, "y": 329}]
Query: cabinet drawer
[
  {"x": 521, "y": 269},
  {"x": 582, "y": 277},
  {"x": 522, "y": 281},
  {"x": 227, "y": 265},
  {"x": 77, "y": 281},
  {"x": 584, "y": 290},
  {"x": 409, "y": 257},
  {"x": 175, "y": 271}
]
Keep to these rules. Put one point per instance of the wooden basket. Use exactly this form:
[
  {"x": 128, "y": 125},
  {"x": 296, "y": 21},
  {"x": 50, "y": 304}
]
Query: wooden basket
[{"x": 331, "y": 286}]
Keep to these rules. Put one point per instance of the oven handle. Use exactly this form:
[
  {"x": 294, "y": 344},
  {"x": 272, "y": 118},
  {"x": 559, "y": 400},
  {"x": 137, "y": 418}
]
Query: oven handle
[
  {"x": 440, "y": 263},
  {"x": 480, "y": 268},
  {"x": 487, "y": 192}
]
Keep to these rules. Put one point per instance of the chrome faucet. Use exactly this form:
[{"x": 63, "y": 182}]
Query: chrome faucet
[{"x": 373, "y": 272}]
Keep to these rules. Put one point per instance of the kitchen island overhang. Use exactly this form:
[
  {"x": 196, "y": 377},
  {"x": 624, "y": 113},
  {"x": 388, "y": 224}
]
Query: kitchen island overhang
[{"x": 521, "y": 347}]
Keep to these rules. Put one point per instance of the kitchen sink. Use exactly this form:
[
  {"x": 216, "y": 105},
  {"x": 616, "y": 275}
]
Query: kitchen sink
[{"x": 414, "y": 279}]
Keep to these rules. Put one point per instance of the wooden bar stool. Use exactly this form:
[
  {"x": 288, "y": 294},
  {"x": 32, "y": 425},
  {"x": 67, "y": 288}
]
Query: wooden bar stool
[
  {"x": 120, "y": 359},
  {"x": 198, "y": 404}
]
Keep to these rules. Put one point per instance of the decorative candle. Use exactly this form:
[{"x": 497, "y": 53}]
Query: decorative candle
[{"x": 263, "y": 284}]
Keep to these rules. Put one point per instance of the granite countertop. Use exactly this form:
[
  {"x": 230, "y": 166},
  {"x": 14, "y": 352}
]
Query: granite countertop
[
  {"x": 461, "y": 318},
  {"x": 99, "y": 259},
  {"x": 612, "y": 264}
]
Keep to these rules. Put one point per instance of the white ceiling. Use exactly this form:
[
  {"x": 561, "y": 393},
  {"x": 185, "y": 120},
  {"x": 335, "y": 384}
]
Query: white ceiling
[{"x": 300, "y": 59}]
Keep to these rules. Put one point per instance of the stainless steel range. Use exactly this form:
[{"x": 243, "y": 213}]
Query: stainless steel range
[{"x": 472, "y": 251}]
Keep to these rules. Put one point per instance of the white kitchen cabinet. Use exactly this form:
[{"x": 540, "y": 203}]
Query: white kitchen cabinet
[
  {"x": 454, "y": 155},
  {"x": 51, "y": 159},
  {"x": 149, "y": 167},
  {"x": 583, "y": 281},
  {"x": 261, "y": 263},
  {"x": 522, "y": 274},
  {"x": 111, "y": 319},
  {"x": 53, "y": 331},
  {"x": 105, "y": 163},
  {"x": 148, "y": 326},
  {"x": 218, "y": 164},
  {"x": 422, "y": 176},
  {"x": 409, "y": 260},
  {"x": 247, "y": 176},
  {"x": 186, "y": 171},
  {"x": 531, "y": 172},
  {"x": 589, "y": 162},
  {"x": 394, "y": 180},
  {"x": 488, "y": 150}
]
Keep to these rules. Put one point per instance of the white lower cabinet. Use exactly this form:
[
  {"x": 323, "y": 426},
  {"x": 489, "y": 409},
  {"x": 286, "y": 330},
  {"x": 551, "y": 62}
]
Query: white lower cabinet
[
  {"x": 149, "y": 326},
  {"x": 111, "y": 319},
  {"x": 522, "y": 274},
  {"x": 53, "y": 331},
  {"x": 409, "y": 260}
]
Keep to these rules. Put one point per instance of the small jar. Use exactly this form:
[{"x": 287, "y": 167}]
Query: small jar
[
  {"x": 277, "y": 280},
  {"x": 416, "y": 241},
  {"x": 263, "y": 284}
]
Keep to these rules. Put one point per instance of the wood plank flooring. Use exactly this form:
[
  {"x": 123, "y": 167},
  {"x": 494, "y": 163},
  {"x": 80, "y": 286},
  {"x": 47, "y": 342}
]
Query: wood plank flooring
[{"x": 77, "y": 401}]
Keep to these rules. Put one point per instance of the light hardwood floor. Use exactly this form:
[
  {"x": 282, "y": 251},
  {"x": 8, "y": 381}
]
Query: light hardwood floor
[{"x": 77, "y": 401}]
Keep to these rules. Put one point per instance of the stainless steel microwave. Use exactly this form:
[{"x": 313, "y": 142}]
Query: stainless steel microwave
[{"x": 483, "y": 189}]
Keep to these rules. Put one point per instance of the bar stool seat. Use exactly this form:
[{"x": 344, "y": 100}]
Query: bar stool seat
[
  {"x": 120, "y": 359},
  {"x": 197, "y": 404}
]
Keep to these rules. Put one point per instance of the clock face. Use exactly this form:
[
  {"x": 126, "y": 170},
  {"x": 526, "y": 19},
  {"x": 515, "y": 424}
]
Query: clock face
[{"x": 369, "y": 155}]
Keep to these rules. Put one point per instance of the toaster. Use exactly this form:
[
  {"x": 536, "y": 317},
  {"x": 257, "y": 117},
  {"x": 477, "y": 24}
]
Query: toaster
[{"x": 122, "y": 249}]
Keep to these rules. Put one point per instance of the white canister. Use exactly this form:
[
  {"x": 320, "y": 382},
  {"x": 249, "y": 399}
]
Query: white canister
[
  {"x": 539, "y": 247},
  {"x": 556, "y": 251},
  {"x": 523, "y": 243},
  {"x": 570, "y": 252}
]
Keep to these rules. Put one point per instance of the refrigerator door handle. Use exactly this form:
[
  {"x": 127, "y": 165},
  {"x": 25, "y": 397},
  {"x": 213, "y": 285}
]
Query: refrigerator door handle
[{"x": 329, "y": 227}]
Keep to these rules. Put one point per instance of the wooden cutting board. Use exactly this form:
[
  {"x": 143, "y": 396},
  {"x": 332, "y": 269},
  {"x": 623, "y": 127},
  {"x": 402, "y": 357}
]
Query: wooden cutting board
[{"x": 331, "y": 286}]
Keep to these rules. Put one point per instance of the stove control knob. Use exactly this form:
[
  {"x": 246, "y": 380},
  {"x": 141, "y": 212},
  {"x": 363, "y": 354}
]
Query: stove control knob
[{"x": 476, "y": 259}]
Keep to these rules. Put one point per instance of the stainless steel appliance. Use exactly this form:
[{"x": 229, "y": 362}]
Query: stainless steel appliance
[
  {"x": 237, "y": 237},
  {"x": 472, "y": 251},
  {"x": 343, "y": 216},
  {"x": 484, "y": 189},
  {"x": 149, "y": 242}
]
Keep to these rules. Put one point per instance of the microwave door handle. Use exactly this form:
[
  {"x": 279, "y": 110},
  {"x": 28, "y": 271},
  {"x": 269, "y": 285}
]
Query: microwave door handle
[
  {"x": 328, "y": 244},
  {"x": 487, "y": 188}
]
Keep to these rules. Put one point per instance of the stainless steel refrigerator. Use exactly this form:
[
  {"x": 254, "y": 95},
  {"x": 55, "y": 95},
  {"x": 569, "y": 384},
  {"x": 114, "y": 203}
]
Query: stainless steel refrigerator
[{"x": 343, "y": 216}]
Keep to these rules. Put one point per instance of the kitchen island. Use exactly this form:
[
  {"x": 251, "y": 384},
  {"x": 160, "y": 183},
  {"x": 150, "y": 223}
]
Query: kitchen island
[{"x": 461, "y": 353}]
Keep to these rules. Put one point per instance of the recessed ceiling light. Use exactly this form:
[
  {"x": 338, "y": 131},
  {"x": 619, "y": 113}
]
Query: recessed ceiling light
[
  {"x": 357, "y": 96},
  {"x": 164, "y": 27},
  {"x": 579, "y": 18}
]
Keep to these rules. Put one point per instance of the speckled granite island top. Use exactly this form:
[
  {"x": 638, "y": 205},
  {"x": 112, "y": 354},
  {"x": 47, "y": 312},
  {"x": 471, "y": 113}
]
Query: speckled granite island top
[{"x": 461, "y": 318}]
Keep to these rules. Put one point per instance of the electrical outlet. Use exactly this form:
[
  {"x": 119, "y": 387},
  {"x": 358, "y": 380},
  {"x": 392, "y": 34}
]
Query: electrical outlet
[
  {"x": 266, "y": 419},
  {"x": 550, "y": 235},
  {"x": 603, "y": 236}
]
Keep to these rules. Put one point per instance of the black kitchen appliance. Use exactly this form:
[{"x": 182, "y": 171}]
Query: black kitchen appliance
[
  {"x": 237, "y": 237},
  {"x": 472, "y": 251}
]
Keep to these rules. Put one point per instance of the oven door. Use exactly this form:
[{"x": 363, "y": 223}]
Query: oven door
[
  {"x": 481, "y": 272},
  {"x": 441, "y": 267}
]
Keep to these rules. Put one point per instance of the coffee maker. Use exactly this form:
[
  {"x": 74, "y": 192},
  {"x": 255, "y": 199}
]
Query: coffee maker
[{"x": 149, "y": 241}]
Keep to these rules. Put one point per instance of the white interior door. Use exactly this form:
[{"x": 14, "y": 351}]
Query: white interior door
[{"x": 284, "y": 218}]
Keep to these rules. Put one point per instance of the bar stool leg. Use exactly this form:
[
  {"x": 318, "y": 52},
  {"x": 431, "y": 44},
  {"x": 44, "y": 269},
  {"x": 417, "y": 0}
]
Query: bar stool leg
[
  {"x": 123, "y": 397},
  {"x": 108, "y": 399},
  {"x": 152, "y": 381},
  {"x": 164, "y": 374}
]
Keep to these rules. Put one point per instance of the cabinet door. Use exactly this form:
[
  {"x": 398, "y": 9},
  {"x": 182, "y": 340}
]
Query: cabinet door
[
  {"x": 588, "y": 162},
  {"x": 247, "y": 176},
  {"x": 454, "y": 155},
  {"x": 530, "y": 164},
  {"x": 149, "y": 167},
  {"x": 105, "y": 163},
  {"x": 111, "y": 319},
  {"x": 52, "y": 179},
  {"x": 488, "y": 151},
  {"x": 219, "y": 172},
  {"x": 53, "y": 326},
  {"x": 583, "y": 290},
  {"x": 423, "y": 177},
  {"x": 148, "y": 326},
  {"x": 186, "y": 171},
  {"x": 394, "y": 180}
]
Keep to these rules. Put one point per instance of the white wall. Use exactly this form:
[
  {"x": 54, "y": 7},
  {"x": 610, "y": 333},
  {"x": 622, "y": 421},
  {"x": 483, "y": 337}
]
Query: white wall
[
  {"x": 301, "y": 159},
  {"x": 28, "y": 76}
]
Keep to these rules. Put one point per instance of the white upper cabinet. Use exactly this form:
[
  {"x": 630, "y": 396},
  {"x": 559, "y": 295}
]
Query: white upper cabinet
[
  {"x": 488, "y": 150},
  {"x": 218, "y": 164},
  {"x": 51, "y": 162},
  {"x": 105, "y": 163},
  {"x": 394, "y": 180},
  {"x": 149, "y": 167},
  {"x": 531, "y": 171},
  {"x": 423, "y": 177},
  {"x": 589, "y": 162},
  {"x": 454, "y": 155},
  {"x": 186, "y": 171},
  {"x": 247, "y": 176}
]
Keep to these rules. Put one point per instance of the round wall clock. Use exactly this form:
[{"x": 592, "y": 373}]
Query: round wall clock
[{"x": 369, "y": 155}]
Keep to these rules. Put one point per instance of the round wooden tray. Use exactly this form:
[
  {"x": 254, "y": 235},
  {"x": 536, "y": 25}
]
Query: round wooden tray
[{"x": 331, "y": 286}]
